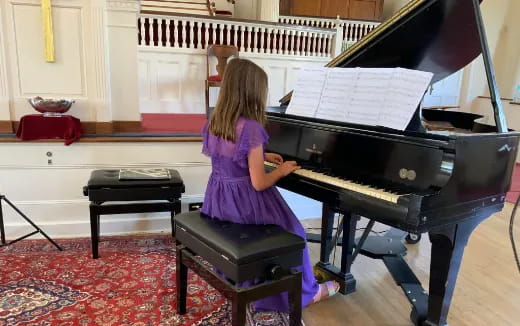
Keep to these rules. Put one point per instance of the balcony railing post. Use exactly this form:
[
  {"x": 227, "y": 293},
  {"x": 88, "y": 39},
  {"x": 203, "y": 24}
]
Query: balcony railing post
[{"x": 338, "y": 38}]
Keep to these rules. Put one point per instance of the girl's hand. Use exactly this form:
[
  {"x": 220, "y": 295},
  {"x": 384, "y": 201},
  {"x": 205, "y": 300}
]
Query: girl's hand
[
  {"x": 288, "y": 167},
  {"x": 274, "y": 158}
]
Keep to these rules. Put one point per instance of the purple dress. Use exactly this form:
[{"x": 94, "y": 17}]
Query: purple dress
[{"x": 230, "y": 195}]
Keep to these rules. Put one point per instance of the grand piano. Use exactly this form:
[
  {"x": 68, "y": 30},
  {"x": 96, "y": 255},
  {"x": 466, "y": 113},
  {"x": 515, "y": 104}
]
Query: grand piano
[{"x": 443, "y": 182}]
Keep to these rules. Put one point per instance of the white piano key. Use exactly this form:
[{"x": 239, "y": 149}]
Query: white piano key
[{"x": 346, "y": 184}]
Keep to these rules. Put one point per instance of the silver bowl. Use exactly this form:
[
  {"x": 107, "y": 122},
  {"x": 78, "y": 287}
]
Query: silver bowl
[{"x": 50, "y": 107}]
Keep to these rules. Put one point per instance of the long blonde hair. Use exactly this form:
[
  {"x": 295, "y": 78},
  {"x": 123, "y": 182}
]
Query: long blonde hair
[{"x": 243, "y": 93}]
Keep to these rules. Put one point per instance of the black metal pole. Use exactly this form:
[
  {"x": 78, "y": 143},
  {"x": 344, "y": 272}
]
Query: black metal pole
[
  {"x": 31, "y": 222},
  {"x": 2, "y": 230},
  {"x": 500, "y": 119}
]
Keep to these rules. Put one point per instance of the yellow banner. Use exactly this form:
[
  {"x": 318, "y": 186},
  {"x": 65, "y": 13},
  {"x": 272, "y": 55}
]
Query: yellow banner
[{"x": 48, "y": 36}]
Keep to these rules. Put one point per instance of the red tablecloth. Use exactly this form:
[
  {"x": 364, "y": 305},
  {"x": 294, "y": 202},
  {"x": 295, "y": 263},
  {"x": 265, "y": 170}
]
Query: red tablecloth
[{"x": 36, "y": 126}]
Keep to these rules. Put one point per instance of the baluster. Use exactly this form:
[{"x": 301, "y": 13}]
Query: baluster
[
  {"x": 192, "y": 34},
  {"x": 268, "y": 47},
  {"x": 262, "y": 47},
  {"x": 221, "y": 33},
  {"x": 206, "y": 35},
  {"x": 147, "y": 30},
  {"x": 297, "y": 35},
  {"x": 183, "y": 25},
  {"x": 331, "y": 44},
  {"x": 242, "y": 49},
  {"x": 323, "y": 45},
  {"x": 355, "y": 37},
  {"x": 280, "y": 50},
  {"x": 162, "y": 31},
  {"x": 169, "y": 38},
  {"x": 318, "y": 45},
  {"x": 228, "y": 41},
  {"x": 235, "y": 39},
  {"x": 199, "y": 35},
  {"x": 141, "y": 29},
  {"x": 152, "y": 32},
  {"x": 304, "y": 43},
  {"x": 253, "y": 39},
  {"x": 175, "y": 33},
  {"x": 214, "y": 27},
  {"x": 249, "y": 38},
  {"x": 312, "y": 44},
  {"x": 291, "y": 43},
  {"x": 283, "y": 44}
]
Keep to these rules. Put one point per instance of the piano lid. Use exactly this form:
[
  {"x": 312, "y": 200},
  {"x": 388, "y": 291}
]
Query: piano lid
[{"x": 438, "y": 36}]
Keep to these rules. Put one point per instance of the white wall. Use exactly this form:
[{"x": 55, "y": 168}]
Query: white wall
[
  {"x": 502, "y": 28},
  {"x": 246, "y": 9},
  {"x": 224, "y": 5},
  {"x": 172, "y": 80},
  {"x": 95, "y": 46},
  {"x": 390, "y": 7}
]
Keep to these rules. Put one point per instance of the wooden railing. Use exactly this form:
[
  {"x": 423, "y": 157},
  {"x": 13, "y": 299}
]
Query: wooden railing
[
  {"x": 351, "y": 30},
  {"x": 198, "y": 32}
]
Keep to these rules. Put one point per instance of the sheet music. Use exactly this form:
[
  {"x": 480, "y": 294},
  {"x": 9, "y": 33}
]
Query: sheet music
[
  {"x": 337, "y": 94},
  {"x": 406, "y": 90},
  {"x": 369, "y": 96},
  {"x": 307, "y": 92}
]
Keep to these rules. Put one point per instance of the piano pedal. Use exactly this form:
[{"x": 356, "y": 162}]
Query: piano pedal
[{"x": 320, "y": 275}]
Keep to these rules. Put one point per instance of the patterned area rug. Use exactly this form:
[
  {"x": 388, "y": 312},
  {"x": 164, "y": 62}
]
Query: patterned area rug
[{"x": 133, "y": 283}]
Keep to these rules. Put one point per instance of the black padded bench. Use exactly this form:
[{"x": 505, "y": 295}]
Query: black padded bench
[
  {"x": 242, "y": 253},
  {"x": 104, "y": 186}
]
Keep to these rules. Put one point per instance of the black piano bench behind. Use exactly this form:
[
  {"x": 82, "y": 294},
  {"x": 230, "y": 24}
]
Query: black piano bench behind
[
  {"x": 241, "y": 252},
  {"x": 108, "y": 195}
]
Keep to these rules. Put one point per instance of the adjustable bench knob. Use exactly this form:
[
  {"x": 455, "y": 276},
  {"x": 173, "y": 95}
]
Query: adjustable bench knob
[{"x": 276, "y": 272}]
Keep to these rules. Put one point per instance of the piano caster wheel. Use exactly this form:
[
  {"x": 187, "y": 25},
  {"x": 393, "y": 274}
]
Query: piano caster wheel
[{"x": 413, "y": 238}]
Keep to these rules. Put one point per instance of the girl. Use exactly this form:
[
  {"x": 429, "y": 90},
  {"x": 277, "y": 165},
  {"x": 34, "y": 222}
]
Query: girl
[{"x": 239, "y": 190}]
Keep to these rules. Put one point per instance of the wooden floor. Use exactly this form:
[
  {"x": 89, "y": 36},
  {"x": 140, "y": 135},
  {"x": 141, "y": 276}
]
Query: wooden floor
[{"x": 487, "y": 292}]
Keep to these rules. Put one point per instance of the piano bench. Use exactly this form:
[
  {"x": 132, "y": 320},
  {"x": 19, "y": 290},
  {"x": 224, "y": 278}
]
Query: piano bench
[
  {"x": 108, "y": 195},
  {"x": 242, "y": 253}
]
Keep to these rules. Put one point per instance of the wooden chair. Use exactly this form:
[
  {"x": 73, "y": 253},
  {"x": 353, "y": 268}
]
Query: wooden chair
[{"x": 222, "y": 53}]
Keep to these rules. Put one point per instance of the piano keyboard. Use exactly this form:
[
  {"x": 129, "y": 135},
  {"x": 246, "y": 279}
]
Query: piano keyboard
[{"x": 345, "y": 184}]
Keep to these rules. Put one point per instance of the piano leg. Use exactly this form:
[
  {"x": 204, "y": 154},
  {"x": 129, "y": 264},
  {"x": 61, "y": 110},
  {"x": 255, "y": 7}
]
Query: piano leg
[
  {"x": 448, "y": 245},
  {"x": 324, "y": 269}
]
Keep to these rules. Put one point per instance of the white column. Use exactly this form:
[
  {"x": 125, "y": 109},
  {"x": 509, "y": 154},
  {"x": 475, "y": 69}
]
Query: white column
[
  {"x": 98, "y": 83},
  {"x": 338, "y": 39},
  {"x": 268, "y": 10},
  {"x": 121, "y": 29},
  {"x": 4, "y": 82}
]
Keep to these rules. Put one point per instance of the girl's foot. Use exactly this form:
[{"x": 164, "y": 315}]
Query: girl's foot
[{"x": 327, "y": 290}]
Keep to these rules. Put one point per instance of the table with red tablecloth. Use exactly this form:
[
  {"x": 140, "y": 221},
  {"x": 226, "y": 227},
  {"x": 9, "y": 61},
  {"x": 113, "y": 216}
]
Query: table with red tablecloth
[{"x": 37, "y": 126}]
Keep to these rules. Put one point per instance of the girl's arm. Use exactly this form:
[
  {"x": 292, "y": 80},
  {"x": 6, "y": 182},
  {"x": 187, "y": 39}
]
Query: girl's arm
[{"x": 259, "y": 178}]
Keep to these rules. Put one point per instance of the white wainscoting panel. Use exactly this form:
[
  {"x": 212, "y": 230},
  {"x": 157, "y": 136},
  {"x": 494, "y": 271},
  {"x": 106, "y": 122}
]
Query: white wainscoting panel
[
  {"x": 172, "y": 80},
  {"x": 52, "y": 193}
]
